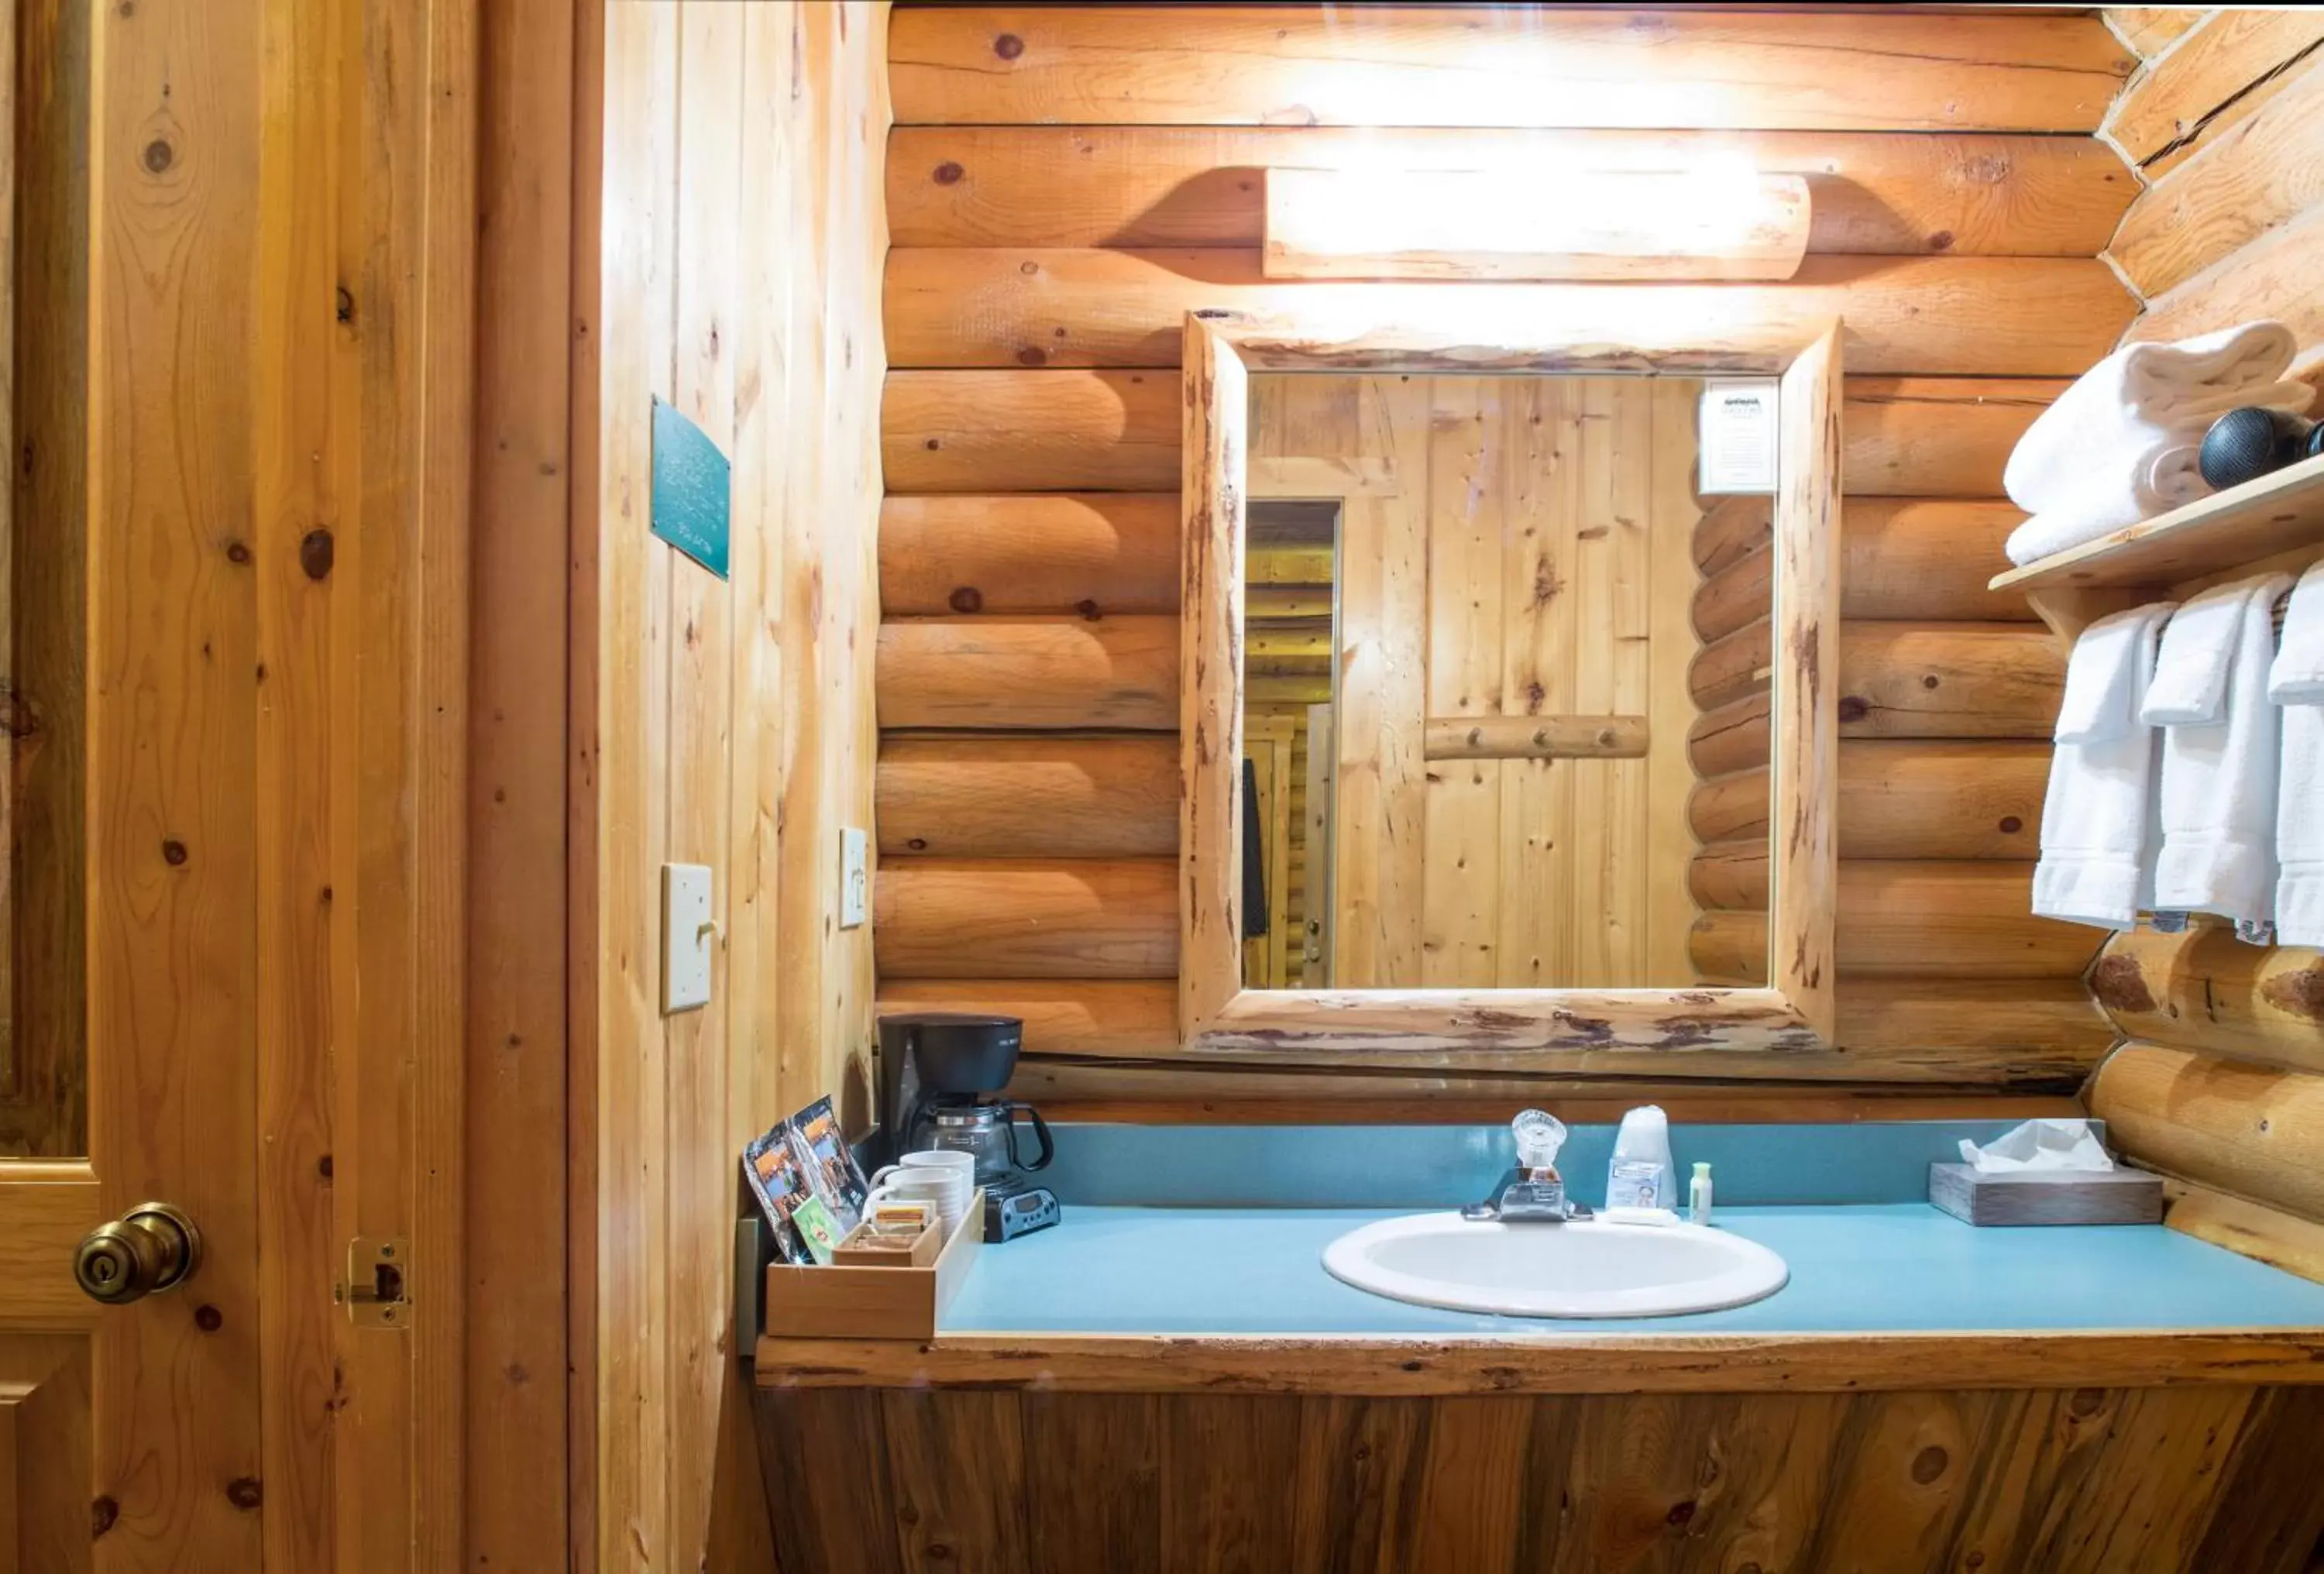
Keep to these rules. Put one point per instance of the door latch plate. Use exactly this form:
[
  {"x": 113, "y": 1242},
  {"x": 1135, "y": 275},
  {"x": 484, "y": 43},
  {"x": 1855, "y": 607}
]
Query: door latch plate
[{"x": 378, "y": 1289}]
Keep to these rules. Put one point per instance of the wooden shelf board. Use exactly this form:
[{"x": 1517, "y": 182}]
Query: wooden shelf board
[{"x": 2276, "y": 513}]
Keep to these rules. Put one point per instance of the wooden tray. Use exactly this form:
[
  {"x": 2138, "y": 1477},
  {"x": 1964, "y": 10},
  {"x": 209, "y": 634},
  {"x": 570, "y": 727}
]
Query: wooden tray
[{"x": 837, "y": 1302}]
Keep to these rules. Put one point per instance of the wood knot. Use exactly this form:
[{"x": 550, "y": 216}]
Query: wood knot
[
  {"x": 2086, "y": 1402},
  {"x": 173, "y": 853},
  {"x": 102, "y": 1513},
  {"x": 243, "y": 1491},
  {"x": 948, "y": 174},
  {"x": 1032, "y": 355},
  {"x": 2011, "y": 825},
  {"x": 1928, "y": 1464},
  {"x": 159, "y": 155},
  {"x": 2118, "y": 985},
  {"x": 967, "y": 598},
  {"x": 1008, "y": 46},
  {"x": 1854, "y": 708},
  {"x": 209, "y": 1319},
  {"x": 237, "y": 552},
  {"x": 316, "y": 552},
  {"x": 1942, "y": 241}
]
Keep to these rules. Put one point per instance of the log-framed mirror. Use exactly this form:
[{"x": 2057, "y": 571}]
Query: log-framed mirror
[{"x": 1411, "y": 331}]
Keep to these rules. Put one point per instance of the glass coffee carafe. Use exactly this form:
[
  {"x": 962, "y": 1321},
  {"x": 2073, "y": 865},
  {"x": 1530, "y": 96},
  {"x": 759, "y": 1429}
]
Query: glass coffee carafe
[{"x": 989, "y": 1131}]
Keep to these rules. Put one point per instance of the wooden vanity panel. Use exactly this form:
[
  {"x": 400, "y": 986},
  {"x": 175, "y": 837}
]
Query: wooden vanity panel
[{"x": 2052, "y": 1481}]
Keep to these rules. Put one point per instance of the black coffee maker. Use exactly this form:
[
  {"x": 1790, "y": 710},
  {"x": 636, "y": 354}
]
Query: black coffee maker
[{"x": 936, "y": 1069}]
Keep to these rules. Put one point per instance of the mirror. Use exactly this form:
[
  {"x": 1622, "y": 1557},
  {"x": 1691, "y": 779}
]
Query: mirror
[
  {"x": 1478, "y": 637},
  {"x": 1508, "y": 682}
]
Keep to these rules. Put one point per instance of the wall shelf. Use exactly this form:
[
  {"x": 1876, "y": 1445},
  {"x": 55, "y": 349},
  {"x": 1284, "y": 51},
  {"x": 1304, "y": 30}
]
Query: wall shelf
[{"x": 2277, "y": 513}]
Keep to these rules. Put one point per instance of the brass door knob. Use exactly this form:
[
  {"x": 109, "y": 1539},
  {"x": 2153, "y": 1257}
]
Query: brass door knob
[{"x": 150, "y": 1247}]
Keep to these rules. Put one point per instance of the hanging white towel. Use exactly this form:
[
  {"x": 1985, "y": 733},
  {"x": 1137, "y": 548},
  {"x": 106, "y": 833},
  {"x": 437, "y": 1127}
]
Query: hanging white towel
[
  {"x": 2298, "y": 674},
  {"x": 2300, "y": 829},
  {"x": 2107, "y": 676},
  {"x": 2296, "y": 683},
  {"x": 2219, "y": 765},
  {"x": 2144, "y": 397},
  {"x": 2098, "y": 818},
  {"x": 2114, "y": 490}
]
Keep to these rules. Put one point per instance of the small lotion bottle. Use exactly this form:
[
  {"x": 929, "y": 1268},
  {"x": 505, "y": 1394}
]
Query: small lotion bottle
[{"x": 1698, "y": 1195}]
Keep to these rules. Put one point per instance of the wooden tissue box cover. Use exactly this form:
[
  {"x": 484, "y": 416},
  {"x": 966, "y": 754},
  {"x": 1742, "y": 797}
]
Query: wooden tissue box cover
[
  {"x": 2047, "y": 1196},
  {"x": 838, "y": 1302}
]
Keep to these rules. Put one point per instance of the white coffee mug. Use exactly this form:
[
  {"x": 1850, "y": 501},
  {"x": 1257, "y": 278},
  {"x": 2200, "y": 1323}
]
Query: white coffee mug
[
  {"x": 933, "y": 1158},
  {"x": 946, "y": 1188}
]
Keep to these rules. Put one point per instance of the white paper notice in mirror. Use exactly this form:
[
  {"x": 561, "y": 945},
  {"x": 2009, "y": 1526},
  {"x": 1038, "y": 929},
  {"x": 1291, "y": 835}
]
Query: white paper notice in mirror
[{"x": 1736, "y": 436}]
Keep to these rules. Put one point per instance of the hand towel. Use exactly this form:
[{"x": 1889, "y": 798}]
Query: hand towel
[
  {"x": 2114, "y": 491},
  {"x": 2098, "y": 818},
  {"x": 2296, "y": 684},
  {"x": 2299, "y": 828},
  {"x": 2199, "y": 652},
  {"x": 2144, "y": 396},
  {"x": 2107, "y": 676},
  {"x": 2219, "y": 774},
  {"x": 2298, "y": 675}
]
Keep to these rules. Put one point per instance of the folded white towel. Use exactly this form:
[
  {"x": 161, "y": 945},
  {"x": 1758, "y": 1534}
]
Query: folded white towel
[
  {"x": 2098, "y": 818},
  {"x": 2107, "y": 676},
  {"x": 2299, "y": 828},
  {"x": 2218, "y": 774},
  {"x": 2143, "y": 397},
  {"x": 2298, "y": 675},
  {"x": 2115, "y": 490}
]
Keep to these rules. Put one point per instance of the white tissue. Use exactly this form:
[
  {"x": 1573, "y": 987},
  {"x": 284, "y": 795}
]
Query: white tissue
[{"x": 2039, "y": 1145}]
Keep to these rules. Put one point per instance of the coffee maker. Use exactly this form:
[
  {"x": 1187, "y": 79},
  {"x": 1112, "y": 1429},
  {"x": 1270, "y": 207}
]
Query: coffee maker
[{"x": 936, "y": 1069}]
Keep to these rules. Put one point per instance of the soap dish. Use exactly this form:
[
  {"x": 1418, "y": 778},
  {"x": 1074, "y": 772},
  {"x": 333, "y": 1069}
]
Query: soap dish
[{"x": 2047, "y": 1196}]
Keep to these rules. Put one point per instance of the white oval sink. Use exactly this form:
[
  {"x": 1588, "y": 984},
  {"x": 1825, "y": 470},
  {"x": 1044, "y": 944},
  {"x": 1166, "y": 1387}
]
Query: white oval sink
[{"x": 1584, "y": 1269}]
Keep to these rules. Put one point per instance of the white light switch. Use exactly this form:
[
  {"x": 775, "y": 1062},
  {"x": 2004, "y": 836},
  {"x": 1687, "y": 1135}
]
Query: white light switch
[
  {"x": 854, "y": 877},
  {"x": 688, "y": 933}
]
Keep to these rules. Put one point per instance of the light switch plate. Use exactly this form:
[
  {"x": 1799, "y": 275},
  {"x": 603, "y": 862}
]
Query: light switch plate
[
  {"x": 854, "y": 877},
  {"x": 688, "y": 933}
]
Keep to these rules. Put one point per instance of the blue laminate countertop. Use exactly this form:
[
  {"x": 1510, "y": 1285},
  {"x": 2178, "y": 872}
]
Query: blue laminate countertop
[{"x": 1859, "y": 1267}]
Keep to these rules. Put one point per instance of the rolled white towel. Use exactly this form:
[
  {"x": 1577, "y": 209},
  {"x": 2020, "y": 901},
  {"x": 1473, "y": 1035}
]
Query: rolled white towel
[
  {"x": 2114, "y": 492},
  {"x": 2143, "y": 396}
]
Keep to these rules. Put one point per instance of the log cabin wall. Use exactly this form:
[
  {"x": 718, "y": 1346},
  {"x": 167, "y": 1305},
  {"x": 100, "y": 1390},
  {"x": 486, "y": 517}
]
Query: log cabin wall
[
  {"x": 2219, "y": 1080},
  {"x": 736, "y": 153},
  {"x": 1065, "y": 182}
]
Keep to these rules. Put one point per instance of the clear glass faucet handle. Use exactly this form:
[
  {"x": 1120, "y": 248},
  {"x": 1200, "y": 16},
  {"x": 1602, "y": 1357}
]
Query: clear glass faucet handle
[{"x": 1539, "y": 1136}]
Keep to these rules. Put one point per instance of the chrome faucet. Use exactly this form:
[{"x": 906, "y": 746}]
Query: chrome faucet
[{"x": 1531, "y": 1191}]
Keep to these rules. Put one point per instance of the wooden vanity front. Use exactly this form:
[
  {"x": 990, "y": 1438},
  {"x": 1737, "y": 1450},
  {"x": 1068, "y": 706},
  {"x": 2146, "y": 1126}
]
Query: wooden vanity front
[{"x": 1895, "y": 1454}]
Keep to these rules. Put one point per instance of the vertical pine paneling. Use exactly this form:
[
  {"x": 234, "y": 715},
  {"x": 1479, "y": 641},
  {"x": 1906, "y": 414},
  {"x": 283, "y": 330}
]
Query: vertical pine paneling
[{"x": 741, "y": 235}]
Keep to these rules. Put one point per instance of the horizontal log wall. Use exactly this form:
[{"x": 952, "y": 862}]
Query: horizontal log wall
[
  {"x": 1065, "y": 181},
  {"x": 2221, "y": 1082}
]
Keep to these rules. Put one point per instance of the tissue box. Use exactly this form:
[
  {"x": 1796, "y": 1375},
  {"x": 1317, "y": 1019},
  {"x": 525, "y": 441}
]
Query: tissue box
[{"x": 2047, "y": 1196}]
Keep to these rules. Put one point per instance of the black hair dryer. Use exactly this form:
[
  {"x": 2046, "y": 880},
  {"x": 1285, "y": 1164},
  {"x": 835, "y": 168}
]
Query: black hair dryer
[{"x": 2246, "y": 443}]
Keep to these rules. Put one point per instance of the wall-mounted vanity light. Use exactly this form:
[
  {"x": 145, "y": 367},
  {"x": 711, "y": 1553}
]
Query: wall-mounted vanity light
[{"x": 1719, "y": 223}]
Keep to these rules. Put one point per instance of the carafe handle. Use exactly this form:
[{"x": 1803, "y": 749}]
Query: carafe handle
[{"x": 1040, "y": 1132}]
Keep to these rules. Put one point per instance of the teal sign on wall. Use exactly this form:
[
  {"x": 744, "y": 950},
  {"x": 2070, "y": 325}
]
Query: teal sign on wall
[{"x": 692, "y": 489}]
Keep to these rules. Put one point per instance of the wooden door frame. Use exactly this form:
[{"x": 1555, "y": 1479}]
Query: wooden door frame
[{"x": 1418, "y": 328}]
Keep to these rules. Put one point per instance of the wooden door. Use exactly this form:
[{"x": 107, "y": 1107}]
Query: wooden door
[{"x": 235, "y": 633}]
